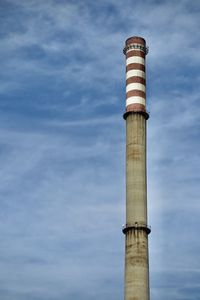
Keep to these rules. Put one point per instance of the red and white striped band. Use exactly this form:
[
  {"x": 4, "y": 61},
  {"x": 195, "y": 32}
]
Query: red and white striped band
[{"x": 135, "y": 51}]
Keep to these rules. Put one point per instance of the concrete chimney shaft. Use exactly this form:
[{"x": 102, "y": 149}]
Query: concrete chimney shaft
[{"x": 136, "y": 229}]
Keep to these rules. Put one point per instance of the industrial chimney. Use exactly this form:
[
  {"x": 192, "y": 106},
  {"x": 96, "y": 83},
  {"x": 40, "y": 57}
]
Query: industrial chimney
[{"x": 136, "y": 230}]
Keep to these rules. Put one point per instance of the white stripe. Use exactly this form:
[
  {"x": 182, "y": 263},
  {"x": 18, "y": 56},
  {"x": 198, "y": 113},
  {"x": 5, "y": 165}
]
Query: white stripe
[
  {"x": 132, "y": 73},
  {"x": 135, "y": 86},
  {"x": 135, "y": 99},
  {"x": 135, "y": 60},
  {"x": 135, "y": 49}
]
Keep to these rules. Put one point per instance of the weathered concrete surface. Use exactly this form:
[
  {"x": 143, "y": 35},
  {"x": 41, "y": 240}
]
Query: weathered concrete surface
[
  {"x": 136, "y": 256},
  {"x": 136, "y": 189},
  {"x": 136, "y": 266}
]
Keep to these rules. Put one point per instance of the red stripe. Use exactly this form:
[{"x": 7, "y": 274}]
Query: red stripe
[
  {"x": 136, "y": 93},
  {"x": 136, "y": 107},
  {"x": 136, "y": 40},
  {"x": 135, "y": 67},
  {"x": 137, "y": 79},
  {"x": 135, "y": 53}
]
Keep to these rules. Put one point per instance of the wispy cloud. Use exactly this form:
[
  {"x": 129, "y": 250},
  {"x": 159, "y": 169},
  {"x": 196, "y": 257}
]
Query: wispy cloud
[{"x": 62, "y": 147}]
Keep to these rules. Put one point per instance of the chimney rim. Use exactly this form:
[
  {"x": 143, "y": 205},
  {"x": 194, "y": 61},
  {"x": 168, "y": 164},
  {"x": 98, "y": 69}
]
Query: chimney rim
[{"x": 131, "y": 38}]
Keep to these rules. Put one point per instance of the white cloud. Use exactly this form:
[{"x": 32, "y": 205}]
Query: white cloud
[{"x": 62, "y": 181}]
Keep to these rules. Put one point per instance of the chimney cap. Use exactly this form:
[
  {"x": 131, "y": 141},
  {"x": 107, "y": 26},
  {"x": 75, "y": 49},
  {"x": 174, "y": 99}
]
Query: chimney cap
[
  {"x": 135, "y": 39},
  {"x": 137, "y": 43}
]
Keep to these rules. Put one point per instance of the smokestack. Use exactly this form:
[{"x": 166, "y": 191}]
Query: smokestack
[{"x": 136, "y": 230}]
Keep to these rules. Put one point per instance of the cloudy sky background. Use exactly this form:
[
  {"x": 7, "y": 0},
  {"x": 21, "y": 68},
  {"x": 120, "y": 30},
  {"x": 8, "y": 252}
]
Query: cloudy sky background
[{"x": 62, "y": 147}]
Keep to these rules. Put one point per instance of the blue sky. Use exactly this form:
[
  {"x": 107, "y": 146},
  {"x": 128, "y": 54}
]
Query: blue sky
[{"x": 62, "y": 147}]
